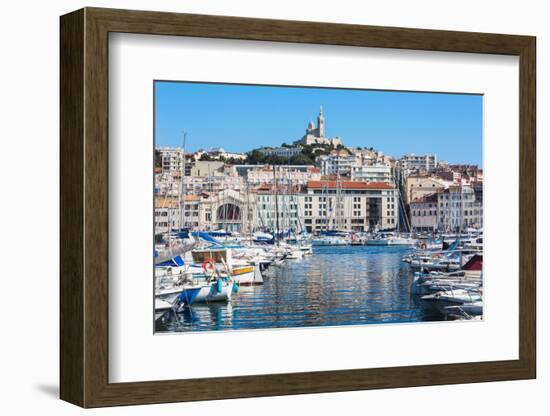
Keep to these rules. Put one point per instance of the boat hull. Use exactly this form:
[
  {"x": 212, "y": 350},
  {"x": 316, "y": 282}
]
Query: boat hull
[
  {"x": 178, "y": 295},
  {"x": 247, "y": 275},
  {"x": 387, "y": 243},
  {"x": 214, "y": 292},
  {"x": 162, "y": 308}
]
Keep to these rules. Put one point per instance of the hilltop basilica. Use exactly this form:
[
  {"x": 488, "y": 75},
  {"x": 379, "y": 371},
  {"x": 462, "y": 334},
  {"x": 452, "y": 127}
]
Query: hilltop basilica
[{"x": 316, "y": 135}]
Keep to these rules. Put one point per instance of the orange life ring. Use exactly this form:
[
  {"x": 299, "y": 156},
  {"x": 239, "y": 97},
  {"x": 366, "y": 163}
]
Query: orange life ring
[{"x": 209, "y": 267}]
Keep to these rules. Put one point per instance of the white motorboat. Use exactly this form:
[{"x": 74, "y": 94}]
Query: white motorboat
[
  {"x": 219, "y": 290},
  {"x": 436, "y": 263},
  {"x": 178, "y": 294},
  {"x": 295, "y": 254},
  {"x": 440, "y": 300},
  {"x": 390, "y": 239},
  {"x": 467, "y": 310},
  {"x": 329, "y": 241}
]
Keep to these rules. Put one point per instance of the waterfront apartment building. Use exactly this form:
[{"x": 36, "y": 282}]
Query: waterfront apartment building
[
  {"x": 322, "y": 205},
  {"x": 413, "y": 162},
  {"x": 458, "y": 208},
  {"x": 423, "y": 212},
  {"x": 372, "y": 173},
  {"x": 279, "y": 208},
  {"x": 317, "y": 206},
  {"x": 349, "y": 205}
]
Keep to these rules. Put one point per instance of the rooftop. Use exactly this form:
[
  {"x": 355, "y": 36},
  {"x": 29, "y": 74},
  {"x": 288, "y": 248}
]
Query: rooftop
[{"x": 425, "y": 198}]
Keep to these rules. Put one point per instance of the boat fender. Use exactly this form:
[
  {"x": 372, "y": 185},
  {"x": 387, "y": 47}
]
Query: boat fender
[
  {"x": 219, "y": 285},
  {"x": 235, "y": 287}
]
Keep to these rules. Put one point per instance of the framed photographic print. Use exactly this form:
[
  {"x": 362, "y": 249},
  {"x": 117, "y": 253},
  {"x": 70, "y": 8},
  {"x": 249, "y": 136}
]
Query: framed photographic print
[{"x": 256, "y": 207}]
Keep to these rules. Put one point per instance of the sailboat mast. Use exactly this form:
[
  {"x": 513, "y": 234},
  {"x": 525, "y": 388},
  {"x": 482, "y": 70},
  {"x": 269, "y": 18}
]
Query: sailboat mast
[
  {"x": 182, "y": 185},
  {"x": 276, "y": 205}
]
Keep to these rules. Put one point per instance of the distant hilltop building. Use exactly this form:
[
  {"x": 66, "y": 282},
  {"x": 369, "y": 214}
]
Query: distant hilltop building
[
  {"x": 281, "y": 151},
  {"x": 219, "y": 153},
  {"x": 316, "y": 135}
]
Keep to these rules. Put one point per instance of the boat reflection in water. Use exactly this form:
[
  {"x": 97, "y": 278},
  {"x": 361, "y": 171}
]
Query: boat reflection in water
[{"x": 338, "y": 285}]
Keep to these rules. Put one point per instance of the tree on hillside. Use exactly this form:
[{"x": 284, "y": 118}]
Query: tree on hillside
[
  {"x": 206, "y": 157},
  {"x": 302, "y": 159},
  {"x": 255, "y": 157}
]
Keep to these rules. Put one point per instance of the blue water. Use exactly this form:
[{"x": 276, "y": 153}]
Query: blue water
[{"x": 346, "y": 285}]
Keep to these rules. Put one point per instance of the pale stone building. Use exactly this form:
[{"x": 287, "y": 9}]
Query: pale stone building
[
  {"x": 229, "y": 210},
  {"x": 323, "y": 205},
  {"x": 372, "y": 173},
  {"x": 279, "y": 208},
  {"x": 458, "y": 209},
  {"x": 204, "y": 169},
  {"x": 337, "y": 163},
  {"x": 219, "y": 153},
  {"x": 171, "y": 214},
  {"x": 417, "y": 186},
  {"x": 169, "y": 158},
  {"x": 412, "y": 162},
  {"x": 423, "y": 211},
  {"x": 349, "y": 205},
  {"x": 293, "y": 174},
  {"x": 285, "y": 152}
]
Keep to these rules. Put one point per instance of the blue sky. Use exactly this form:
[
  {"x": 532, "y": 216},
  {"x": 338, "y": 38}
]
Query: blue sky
[{"x": 242, "y": 117}]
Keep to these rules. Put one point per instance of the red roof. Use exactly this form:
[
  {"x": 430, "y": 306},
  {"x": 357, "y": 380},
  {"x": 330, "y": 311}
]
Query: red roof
[{"x": 349, "y": 185}]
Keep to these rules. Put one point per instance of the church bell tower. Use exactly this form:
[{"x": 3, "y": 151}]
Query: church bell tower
[{"x": 321, "y": 123}]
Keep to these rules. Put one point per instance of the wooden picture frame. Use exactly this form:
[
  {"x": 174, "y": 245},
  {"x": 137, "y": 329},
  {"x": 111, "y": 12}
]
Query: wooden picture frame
[{"x": 84, "y": 207}]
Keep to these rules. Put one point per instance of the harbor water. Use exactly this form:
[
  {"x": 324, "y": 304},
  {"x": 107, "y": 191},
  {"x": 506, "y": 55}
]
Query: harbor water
[{"x": 337, "y": 285}]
